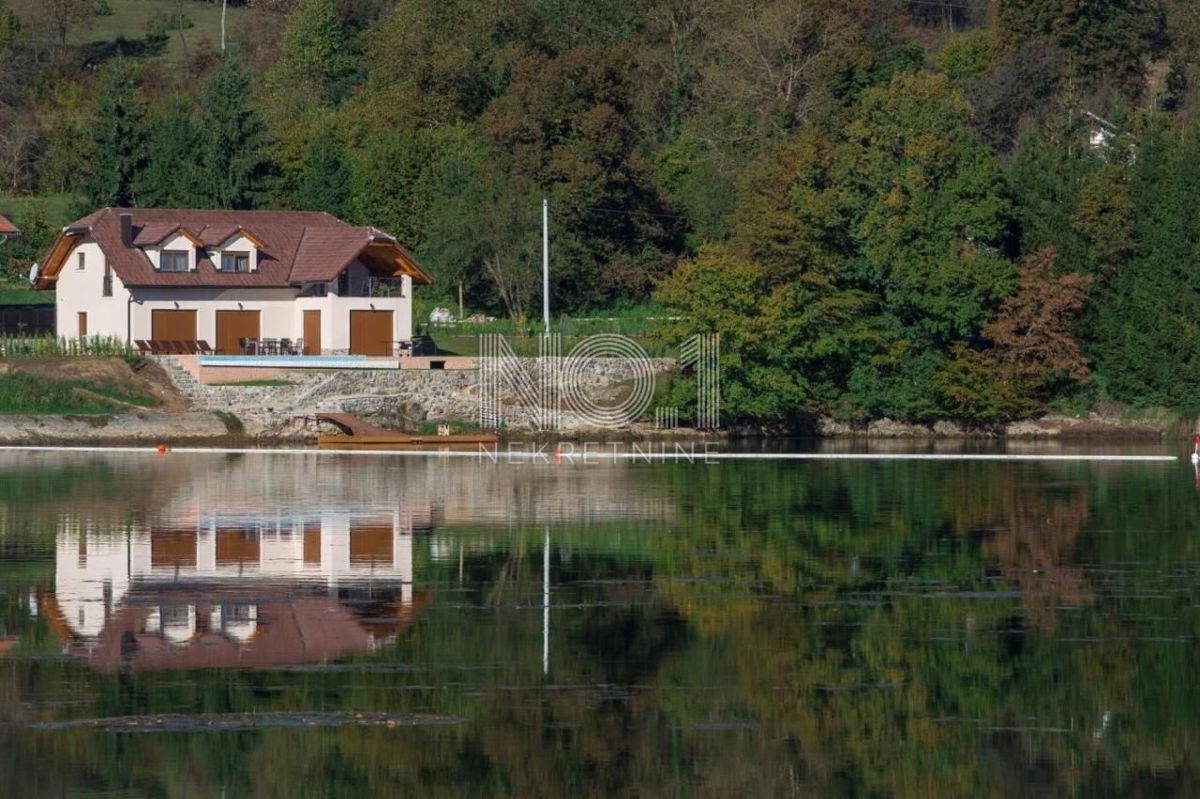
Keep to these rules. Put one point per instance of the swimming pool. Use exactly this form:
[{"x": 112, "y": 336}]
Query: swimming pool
[{"x": 301, "y": 361}]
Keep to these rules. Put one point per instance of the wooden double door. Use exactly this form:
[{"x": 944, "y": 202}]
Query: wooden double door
[{"x": 233, "y": 326}]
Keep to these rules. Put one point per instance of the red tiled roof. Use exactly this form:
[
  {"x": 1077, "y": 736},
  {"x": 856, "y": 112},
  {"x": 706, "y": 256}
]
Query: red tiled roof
[
  {"x": 297, "y": 246},
  {"x": 215, "y": 235},
  {"x": 7, "y": 228},
  {"x": 153, "y": 233},
  {"x": 325, "y": 247}
]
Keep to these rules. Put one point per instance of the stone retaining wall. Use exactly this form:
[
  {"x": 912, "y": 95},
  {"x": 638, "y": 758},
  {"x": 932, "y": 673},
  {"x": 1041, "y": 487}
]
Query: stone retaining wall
[{"x": 397, "y": 397}]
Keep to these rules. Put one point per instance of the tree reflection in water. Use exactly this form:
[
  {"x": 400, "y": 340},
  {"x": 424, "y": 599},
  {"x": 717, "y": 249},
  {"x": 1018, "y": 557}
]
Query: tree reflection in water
[{"x": 755, "y": 628}]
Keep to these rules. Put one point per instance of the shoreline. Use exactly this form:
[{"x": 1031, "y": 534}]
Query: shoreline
[{"x": 193, "y": 428}]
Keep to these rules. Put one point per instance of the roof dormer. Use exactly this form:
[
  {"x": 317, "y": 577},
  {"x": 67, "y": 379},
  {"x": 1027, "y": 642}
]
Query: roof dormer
[
  {"x": 170, "y": 248},
  {"x": 232, "y": 248}
]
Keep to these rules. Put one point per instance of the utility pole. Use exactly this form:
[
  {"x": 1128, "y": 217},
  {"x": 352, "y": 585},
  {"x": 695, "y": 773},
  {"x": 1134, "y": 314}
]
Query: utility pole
[
  {"x": 546, "y": 604},
  {"x": 223, "y": 4},
  {"x": 546, "y": 264}
]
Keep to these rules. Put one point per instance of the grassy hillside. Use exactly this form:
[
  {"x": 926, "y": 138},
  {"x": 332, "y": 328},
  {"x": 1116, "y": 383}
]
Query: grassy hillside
[
  {"x": 129, "y": 18},
  {"x": 22, "y": 392},
  {"x": 21, "y": 294},
  {"x": 56, "y": 209}
]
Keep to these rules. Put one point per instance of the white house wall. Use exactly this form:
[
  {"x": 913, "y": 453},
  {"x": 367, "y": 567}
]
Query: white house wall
[
  {"x": 81, "y": 290},
  {"x": 276, "y": 307},
  {"x": 280, "y": 310}
]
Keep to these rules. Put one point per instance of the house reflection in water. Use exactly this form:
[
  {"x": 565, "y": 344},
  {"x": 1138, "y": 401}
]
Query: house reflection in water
[{"x": 245, "y": 591}]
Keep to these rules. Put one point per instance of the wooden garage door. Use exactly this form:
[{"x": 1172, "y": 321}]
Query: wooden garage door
[
  {"x": 370, "y": 332},
  {"x": 173, "y": 325},
  {"x": 236, "y": 546},
  {"x": 371, "y": 544},
  {"x": 232, "y": 326},
  {"x": 173, "y": 548}
]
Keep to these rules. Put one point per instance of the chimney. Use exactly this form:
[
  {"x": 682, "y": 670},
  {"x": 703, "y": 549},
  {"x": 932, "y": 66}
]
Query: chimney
[{"x": 127, "y": 229}]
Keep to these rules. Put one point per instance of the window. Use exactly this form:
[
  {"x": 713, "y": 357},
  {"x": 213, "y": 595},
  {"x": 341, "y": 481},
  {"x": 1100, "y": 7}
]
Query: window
[
  {"x": 173, "y": 261},
  {"x": 82, "y": 260},
  {"x": 235, "y": 262},
  {"x": 106, "y": 284}
]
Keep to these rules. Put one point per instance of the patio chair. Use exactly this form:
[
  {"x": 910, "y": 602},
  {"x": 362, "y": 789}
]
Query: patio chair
[
  {"x": 204, "y": 348},
  {"x": 142, "y": 347},
  {"x": 156, "y": 346},
  {"x": 285, "y": 346},
  {"x": 177, "y": 347},
  {"x": 192, "y": 347},
  {"x": 298, "y": 347}
]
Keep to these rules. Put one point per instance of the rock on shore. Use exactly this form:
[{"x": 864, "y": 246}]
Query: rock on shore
[{"x": 140, "y": 427}]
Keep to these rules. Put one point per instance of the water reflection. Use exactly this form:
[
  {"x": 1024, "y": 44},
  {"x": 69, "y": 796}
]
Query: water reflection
[
  {"x": 232, "y": 589},
  {"x": 283, "y": 627}
]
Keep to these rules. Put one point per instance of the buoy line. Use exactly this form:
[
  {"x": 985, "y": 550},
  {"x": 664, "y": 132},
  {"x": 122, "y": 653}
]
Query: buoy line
[{"x": 561, "y": 455}]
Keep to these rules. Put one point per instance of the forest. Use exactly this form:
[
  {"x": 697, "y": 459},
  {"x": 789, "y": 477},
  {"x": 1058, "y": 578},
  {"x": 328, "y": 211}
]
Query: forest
[{"x": 921, "y": 209}]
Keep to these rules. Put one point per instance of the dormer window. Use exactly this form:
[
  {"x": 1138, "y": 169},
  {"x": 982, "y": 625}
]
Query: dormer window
[
  {"x": 173, "y": 261},
  {"x": 235, "y": 262}
]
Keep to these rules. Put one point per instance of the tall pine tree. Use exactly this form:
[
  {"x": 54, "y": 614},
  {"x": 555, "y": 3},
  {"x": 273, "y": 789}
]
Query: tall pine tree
[
  {"x": 324, "y": 183},
  {"x": 119, "y": 137},
  {"x": 172, "y": 177},
  {"x": 236, "y": 159},
  {"x": 1146, "y": 333}
]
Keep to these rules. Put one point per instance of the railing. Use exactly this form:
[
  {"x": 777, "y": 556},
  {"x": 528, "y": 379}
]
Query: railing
[{"x": 370, "y": 286}]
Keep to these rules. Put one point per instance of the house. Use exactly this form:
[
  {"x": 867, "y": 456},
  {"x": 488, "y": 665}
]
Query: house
[
  {"x": 7, "y": 229},
  {"x": 238, "y": 588},
  {"x": 226, "y": 276}
]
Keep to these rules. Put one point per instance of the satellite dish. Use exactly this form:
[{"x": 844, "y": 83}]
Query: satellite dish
[{"x": 33, "y": 273}]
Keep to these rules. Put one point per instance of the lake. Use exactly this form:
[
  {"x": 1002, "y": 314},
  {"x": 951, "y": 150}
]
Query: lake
[{"x": 296, "y": 625}]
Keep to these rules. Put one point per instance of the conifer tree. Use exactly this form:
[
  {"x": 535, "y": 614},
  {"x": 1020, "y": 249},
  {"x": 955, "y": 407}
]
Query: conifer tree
[
  {"x": 325, "y": 181},
  {"x": 235, "y": 157},
  {"x": 119, "y": 136},
  {"x": 172, "y": 177}
]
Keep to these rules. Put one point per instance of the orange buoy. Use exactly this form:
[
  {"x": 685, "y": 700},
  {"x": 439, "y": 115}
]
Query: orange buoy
[{"x": 162, "y": 449}]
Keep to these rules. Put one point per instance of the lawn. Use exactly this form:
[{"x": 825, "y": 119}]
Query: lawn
[
  {"x": 23, "y": 392},
  {"x": 129, "y": 18},
  {"x": 21, "y": 294},
  {"x": 55, "y": 208}
]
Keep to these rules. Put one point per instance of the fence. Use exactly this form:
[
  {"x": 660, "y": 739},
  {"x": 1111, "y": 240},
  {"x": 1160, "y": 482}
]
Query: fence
[
  {"x": 527, "y": 345},
  {"x": 650, "y": 332},
  {"x": 26, "y": 320},
  {"x": 51, "y": 347}
]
